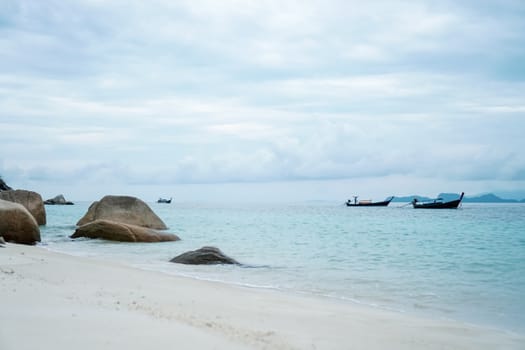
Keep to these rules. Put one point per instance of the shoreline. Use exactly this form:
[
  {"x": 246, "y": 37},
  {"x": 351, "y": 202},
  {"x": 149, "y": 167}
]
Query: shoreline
[
  {"x": 423, "y": 313},
  {"x": 55, "y": 300}
]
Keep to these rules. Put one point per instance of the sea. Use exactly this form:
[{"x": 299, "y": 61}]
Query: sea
[{"x": 466, "y": 264}]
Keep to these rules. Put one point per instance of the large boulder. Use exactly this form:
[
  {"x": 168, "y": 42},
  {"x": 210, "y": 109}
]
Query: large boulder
[
  {"x": 17, "y": 225},
  {"x": 124, "y": 209},
  {"x": 117, "y": 231},
  {"x": 29, "y": 199},
  {"x": 204, "y": 256},
  {"x": 58, "y": 200}
]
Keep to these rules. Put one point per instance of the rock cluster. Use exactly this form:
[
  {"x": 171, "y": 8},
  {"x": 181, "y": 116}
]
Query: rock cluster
[
  {"x": 123, "y": 219},
  {"x": 29, "y": 199},
  {"x": 117, "y": 218}
]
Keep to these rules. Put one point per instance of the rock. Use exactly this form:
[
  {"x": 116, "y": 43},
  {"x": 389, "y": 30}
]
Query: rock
[
  {"x": 58, "y": 200},
  {"x": 204, "y": 256},
  {"x": 29, "y": 199},
  {"x": 117, "y": 231},
  {"x": 124, "y": 209},
  {"x": 3, "y": 186},
  {"x": 17, "y": 225}
]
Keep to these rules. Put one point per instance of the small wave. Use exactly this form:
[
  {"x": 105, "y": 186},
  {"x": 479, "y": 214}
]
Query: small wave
[{"x": 250, "y": 266}]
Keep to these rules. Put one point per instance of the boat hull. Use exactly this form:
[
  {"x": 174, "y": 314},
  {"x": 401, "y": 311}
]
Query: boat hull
[
  {"x": 438, "y": 205},
  {"x": 372, "y": 204},
  {"x": 446, "y": 205}
]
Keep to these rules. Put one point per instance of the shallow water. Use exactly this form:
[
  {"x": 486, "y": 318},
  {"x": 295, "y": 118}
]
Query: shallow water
[{"x": 466, "y": 264}]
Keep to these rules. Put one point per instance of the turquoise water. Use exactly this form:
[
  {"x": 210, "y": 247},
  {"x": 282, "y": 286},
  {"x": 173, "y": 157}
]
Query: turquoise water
[{"x": 466, "y": 264}]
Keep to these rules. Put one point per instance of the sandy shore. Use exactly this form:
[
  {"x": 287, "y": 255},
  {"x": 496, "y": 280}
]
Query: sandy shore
[{"x": 55, "y": 301}]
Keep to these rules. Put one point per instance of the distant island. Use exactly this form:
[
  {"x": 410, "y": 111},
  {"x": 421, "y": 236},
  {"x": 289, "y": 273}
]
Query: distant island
[{"x": 485, "y": 198}]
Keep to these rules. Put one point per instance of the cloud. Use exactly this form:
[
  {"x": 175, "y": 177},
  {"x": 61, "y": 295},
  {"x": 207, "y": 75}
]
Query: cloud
[{"x": 192, "y": 92}]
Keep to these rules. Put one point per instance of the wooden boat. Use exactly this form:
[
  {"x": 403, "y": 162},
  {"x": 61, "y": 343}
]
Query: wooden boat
[
  {"x": 437, "y": 203},
  {"x": 368, "y": 203},
  {"x": 163, "y": 200}
]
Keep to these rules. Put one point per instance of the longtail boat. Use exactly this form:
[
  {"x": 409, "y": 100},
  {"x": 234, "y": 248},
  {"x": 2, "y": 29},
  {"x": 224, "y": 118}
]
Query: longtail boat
[
  {"x": 437, "y": 203},
  {"x": 164, "y": 200},
  {"x": 368, "y": 203}
]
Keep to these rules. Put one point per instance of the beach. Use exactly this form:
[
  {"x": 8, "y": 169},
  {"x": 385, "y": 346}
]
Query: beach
[{"x": 55, "y": 301}]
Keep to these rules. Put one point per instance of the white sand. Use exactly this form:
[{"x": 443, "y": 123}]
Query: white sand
[{"x": 55, "y": 301}]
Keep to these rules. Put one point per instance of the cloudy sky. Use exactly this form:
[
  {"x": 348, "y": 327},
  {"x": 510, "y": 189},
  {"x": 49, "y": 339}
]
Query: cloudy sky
[{"x": 282, "y": 99}]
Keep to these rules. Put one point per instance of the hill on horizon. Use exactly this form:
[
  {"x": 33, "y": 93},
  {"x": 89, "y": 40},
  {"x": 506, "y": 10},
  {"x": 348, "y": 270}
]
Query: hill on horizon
[{"x": 484, "y": 198}]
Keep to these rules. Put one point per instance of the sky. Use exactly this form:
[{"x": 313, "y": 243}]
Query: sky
[{"x": 262, "y": 100}]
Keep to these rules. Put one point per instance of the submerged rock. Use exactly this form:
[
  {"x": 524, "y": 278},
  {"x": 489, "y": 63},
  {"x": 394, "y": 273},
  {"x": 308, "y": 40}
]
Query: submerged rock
[
  {"x": 204, "y": 256},
  {"x": 123, "y": 209},
  {"x": 58, "y": 200},
  {"x": 32, "y": 201},
  {"x": 17, "y": 225},
  {"x": 121, "y": 232}
]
